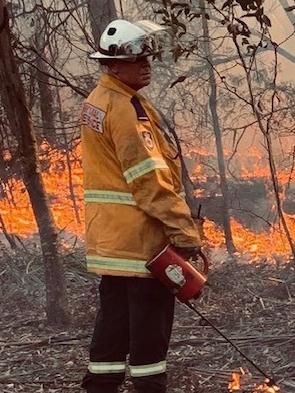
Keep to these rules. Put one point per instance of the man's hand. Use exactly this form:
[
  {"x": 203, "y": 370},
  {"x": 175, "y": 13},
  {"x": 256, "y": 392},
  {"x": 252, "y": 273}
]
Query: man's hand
[{"x": 188, "y": 252}]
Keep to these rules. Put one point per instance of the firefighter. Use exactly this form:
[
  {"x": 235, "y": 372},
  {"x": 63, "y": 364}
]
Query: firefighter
[{"x": 134, "y": 207}]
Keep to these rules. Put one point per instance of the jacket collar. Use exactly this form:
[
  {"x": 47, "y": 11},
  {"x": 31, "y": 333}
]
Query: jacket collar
[{"x": 110, "y": 82}]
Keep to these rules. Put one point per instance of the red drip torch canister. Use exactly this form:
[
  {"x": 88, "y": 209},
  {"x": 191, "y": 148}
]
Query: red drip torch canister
[{"x": 179, "y": 275}]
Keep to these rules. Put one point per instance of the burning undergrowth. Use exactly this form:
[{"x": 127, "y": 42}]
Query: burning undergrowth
[
  {"x": 253, "y": 214},
  {"x": 250, "y": 297},
  {"x": 252, "y": 303}
]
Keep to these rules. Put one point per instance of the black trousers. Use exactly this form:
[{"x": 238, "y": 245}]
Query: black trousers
[{"x": 135, "y": 318}]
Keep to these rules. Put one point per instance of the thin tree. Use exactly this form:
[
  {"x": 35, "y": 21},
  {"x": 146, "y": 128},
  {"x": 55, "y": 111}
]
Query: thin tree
[
  {"x": 101, "y": 13},
  {"x": 217, "y": 132},
  {"x": 46, "y": 97},
  {"x": 230, "y": 17},
  {"x": 19, "y": 118},
  {"x": 265, "y": 128}
]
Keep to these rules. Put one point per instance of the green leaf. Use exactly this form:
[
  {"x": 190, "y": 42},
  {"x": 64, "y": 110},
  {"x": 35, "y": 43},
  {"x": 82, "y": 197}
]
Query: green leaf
[
  {"x": 163, "y": 12},
  {"x": 178, "y": 80},
  {"x": 259, "y": 13},
  {"x": 177, "y": 23},
  {"x": 266, "y": 20},
  {"x": 181, "y": 34},
  {"x": 177, "y": 52},
  {"x": 258, "y": 2},
  {"x": 194, "y": 15},
  {"x": 228, "y": 3},
  {"x": 183, "y": 5},
  {"x": 249, "y": 15},
  {"x": 251, "y": 48},
  {"x": 246, "y": 30},
  {"x": 179, "y": 12},
  {"x": 244, "y": 4}
]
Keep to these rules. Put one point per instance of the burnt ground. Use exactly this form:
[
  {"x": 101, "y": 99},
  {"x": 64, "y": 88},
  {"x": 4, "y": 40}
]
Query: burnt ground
[{"x": 254, "y": 304}]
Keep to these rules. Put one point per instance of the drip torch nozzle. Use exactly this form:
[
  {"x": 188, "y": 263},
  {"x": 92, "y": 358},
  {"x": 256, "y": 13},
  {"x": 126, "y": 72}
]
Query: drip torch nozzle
[
  {"x": 270, "y": 381},
  {"x": 199, "y": 211}
]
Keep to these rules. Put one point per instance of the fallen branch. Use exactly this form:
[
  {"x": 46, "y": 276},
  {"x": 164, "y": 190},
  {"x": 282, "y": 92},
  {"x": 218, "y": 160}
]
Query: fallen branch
[
  {"x": 238, "y": 340},
  {"x": 48, "y": 341}
]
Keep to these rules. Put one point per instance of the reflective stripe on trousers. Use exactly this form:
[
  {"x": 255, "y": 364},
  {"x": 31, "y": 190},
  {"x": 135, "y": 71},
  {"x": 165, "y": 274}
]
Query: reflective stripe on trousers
[
  {"x": 148, "y": 369},
  {"x": 106, "y": 367},
  {"x": 135, "y": 318},
  {"x": 120, "y": 367}
]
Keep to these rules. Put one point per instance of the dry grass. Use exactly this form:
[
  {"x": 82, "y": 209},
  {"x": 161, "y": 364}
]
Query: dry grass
[{"x": 251, "y": 303}]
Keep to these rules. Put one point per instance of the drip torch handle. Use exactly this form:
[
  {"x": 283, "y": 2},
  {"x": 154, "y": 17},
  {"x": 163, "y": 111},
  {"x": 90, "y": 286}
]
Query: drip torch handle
[
  {"x": 199, "y": 211},
  {"x": 205, "y": 262}
]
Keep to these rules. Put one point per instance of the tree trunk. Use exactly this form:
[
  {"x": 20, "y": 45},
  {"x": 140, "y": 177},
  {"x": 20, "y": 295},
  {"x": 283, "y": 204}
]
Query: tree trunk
[
  {"x": 19, "y": 117},
  {"x": 46, "y": 103},
  {"x": 266, "y": 133},
  {"x": 217, "y": 131},
  {"x": 101, "y": 13},
  {"x": 275, "y": 182},
  {"x": 45, "y": 92},
  {"x": 187, "y": 183},
  {"x": 68, "y": 158},
  {"x": 8, "y": 237}
]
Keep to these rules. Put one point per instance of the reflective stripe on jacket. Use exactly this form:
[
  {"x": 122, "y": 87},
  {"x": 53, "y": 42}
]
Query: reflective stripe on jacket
[{"x": 132, "y": 182}]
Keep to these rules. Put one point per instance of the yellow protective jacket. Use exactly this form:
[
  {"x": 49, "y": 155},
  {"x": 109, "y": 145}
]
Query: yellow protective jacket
[{"x": 132, "y": 182}]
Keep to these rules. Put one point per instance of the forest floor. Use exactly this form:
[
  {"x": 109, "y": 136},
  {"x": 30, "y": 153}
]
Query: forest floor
[{"x": 252, "y": 303}]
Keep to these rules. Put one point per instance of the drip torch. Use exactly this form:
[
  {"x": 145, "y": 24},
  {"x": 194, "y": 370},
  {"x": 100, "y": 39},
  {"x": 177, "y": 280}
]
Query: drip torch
[{"x": 186, "y": 281}]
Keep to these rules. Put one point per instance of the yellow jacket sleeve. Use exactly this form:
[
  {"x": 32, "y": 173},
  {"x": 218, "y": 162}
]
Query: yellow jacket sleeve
[{"x": 148, "y": 175}]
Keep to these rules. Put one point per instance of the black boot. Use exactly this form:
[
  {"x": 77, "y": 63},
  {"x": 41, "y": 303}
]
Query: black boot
[
  {"x": 150, "y": 384},
  {"x": 102, "y": 389}
]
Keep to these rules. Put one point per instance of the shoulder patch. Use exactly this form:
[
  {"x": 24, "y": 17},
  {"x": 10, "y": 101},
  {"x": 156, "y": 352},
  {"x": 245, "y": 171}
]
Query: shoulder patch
[
  {"x": 148, "y": 139},
  {"x": 140, "y": 111},
  {"x": 92, "y": 117}
]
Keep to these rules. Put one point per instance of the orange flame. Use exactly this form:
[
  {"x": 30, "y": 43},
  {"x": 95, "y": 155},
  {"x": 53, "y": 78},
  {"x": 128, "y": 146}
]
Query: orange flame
[
  {"x": 238, "y": 380},
  {"x": 265, "y": 388},
  {"x": 18, "y": 216},
  {"x": 264, "y": 244},
  {"x": 235, "y": 382}
]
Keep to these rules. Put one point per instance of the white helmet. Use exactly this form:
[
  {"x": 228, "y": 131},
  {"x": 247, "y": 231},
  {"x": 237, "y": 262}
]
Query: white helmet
[{"x": 125, "y": 40}]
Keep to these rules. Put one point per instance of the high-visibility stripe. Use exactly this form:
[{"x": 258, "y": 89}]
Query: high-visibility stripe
[
  {"x": 121, "y": 198},
  {"x": 148, "y": 369},
  {"x": 144, "y": 167},
  {"x": 106, "y": 367},
  {"x": 102, "y": 196},
  {"x": 119, "y": 264}
]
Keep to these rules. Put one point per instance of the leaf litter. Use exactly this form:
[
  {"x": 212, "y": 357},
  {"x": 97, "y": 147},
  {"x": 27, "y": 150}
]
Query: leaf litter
[{"x": 252, "y": 303}]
